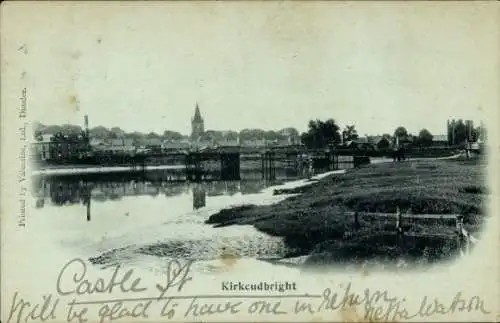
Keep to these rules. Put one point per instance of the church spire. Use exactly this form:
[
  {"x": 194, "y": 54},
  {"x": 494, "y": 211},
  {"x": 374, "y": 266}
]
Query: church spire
[{"x": 197, "y": 114}]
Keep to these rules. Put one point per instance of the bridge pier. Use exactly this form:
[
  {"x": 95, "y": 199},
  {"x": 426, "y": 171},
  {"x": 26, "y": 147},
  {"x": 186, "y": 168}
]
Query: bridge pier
[
  {"x": 333, "y": 159},
  {"x": 268, "y": 166},
  {"x": 193, "y": 166},
  {"x": 230, "y": 166}
]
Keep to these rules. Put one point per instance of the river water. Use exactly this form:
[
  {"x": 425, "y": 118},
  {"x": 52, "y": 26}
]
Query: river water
[{"x": 142, "y": 220}]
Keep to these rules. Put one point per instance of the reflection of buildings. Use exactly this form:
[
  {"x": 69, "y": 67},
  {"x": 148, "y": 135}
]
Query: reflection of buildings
[
  {"x": 199, "y": 196},
  {"x": 65, "y": 190},
  {"x": 252, "y": 187},
  {"x": 218, "y": 188},
  {"x": 62, "y": 191}
]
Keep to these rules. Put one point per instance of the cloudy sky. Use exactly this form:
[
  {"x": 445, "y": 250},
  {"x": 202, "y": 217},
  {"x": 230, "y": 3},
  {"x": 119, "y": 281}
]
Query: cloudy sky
[{"x": 260, "y": 65}]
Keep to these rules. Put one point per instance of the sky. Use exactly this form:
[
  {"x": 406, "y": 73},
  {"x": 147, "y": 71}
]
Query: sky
[{"x": 144, "y": 66}]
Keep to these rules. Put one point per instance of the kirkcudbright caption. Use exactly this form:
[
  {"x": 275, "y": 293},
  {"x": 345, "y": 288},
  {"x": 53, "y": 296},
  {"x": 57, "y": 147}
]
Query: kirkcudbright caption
[{"x": 261, "y": 286}]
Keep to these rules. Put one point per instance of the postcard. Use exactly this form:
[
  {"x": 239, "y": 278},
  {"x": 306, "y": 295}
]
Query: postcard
[{"x": 249, "y": 161}]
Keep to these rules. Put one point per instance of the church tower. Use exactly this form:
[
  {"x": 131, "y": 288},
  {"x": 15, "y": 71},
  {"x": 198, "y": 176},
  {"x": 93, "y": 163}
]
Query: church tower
[{"x": 197, "y": 124}]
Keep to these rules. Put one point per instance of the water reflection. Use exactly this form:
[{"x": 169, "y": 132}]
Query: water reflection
[
  {"x": 82, "y": 189},
  {"x": 199, "y": 196},
  {"x": 154, "y": 214}
]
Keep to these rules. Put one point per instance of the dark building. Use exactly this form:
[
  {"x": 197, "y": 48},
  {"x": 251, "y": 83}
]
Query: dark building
[
  {"x": 69, "y": 148},
  {"x": 197, "y": 124}
]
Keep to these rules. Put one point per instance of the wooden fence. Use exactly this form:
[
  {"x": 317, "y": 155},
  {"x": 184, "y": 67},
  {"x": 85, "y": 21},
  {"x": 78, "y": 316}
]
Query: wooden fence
[{"x": 401, "y": 218}]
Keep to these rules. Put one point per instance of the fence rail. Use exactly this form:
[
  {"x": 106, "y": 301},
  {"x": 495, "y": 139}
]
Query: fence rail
[{"x": 461, "y": 232}]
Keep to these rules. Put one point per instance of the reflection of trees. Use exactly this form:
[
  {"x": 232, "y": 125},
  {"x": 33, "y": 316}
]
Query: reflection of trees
[
  {"x": 72, "y": 190},
  {"x": 252, "y": 187},
  {"x": 165, "y": 176},
  {"x": 174, "y": 189},
  {"x": 68, "y": 192},
  {"x": 222, "y": 188},
  {"x": 80, "y": 189}
]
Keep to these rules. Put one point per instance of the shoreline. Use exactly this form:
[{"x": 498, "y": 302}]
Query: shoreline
[
  {"x": 317, "y": 225},
  {"x": 69, "y": 170},
  {"x": 75, "y": 169}
]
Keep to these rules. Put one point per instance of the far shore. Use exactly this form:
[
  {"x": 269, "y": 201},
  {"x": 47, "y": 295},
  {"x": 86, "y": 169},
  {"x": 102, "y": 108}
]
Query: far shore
[
  {"x": 93, "y": 169},
  {"x": 316, "y": 220},
  {"x": 75, "y": 169}
]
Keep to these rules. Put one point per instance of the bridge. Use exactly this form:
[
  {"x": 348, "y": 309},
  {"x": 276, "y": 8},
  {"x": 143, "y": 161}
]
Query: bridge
[{"x": 226, "y": 159}]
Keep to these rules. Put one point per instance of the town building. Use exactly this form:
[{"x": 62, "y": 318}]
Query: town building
[
  {"x": 66, "y": 148},
  {"x": 41, "y": 147},
  {"x": 440, "y": 140},
  {"x": 181, "y": 144}
]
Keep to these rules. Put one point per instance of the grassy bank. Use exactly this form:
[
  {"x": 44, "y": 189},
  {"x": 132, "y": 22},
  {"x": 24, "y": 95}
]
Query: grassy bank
[{"x": 320, "y": 221}]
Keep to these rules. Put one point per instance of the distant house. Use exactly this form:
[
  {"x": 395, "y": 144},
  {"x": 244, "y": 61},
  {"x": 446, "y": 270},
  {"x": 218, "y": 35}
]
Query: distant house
[
  {"x": 94, "y": 142},
  {"x": 64, "y": 148},
  {"x": 254, "y": 143},
  {"x": 374, "y": 139},
  {"x": 361, "y": 140},
  {"x": 41, "y": 148},
  {"x": 175, "y": 144},
  {"x": 290, "y": 138},
  {"x": 440, "y": 139},
  {"x": 359, "y": 144},
  {"x": 114, "y": 146},
  {"x": 150, "y": 143},
  {"x": 226, "y": 142}
]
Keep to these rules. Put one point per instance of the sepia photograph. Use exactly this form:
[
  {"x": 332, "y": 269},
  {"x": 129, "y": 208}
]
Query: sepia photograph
[{"x": 257, "y": 146}]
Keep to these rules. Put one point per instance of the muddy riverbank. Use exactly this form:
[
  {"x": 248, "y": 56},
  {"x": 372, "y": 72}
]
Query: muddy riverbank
[{"x": 317, "y": 220}]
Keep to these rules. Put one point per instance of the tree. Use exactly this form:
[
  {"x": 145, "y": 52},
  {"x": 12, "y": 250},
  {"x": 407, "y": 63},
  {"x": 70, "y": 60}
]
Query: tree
[
  {"x": 320, "y": 134},
  {"x": 479, "y": 133},
  {"x": 118, "y": 132},
  {"x": 172, "y": 135},
  {"x": 400, "y": 132},
  {"x": 231, "y": 135},
  {"x": 457, "y": 132},
  {"x": 476, "y": 133},
  {"x": 271, "y": 135},
  {"x": 384, "y": 142},
  {"x": 38, "y": 127},
  {"x": 211, "y": 136},
  {"x": 153, "y": 135},
  {"x": 99, "y": 132},
  {"x": 37, "y": 135},
  {"x": 349, "y": 133},
  {"x": 252, "y": 134},
  {"x": 290, "y": 131},
  {"x": 424, "y": 138}
]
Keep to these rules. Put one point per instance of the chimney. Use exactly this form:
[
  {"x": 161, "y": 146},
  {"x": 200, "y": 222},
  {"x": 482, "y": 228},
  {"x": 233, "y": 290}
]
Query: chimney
[{"x": 86, "y": 127}]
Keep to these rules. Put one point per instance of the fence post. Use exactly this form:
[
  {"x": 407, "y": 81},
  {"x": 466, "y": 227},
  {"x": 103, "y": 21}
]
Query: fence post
[
  {"x": 459, "y": 224},
  {"x": 398, "y": 219},
  {"x": 460, "y": 236},
  {"x": 356, "y": 220}
]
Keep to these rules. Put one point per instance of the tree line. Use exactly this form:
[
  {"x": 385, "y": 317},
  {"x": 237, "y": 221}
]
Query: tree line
[
  {"x": 319, "y": 134},
  {"x": 103, "y": 133}
]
